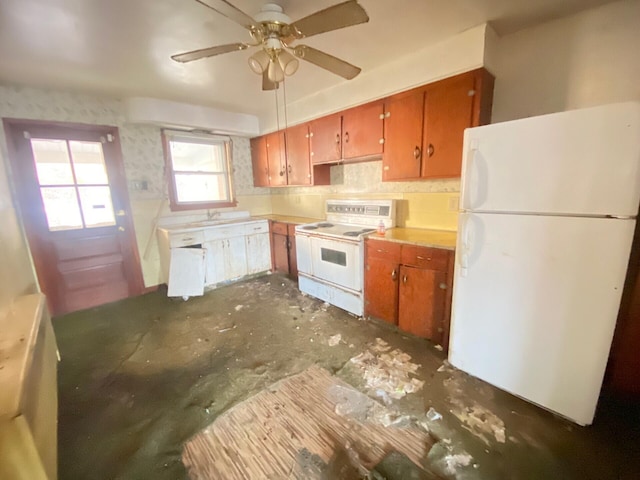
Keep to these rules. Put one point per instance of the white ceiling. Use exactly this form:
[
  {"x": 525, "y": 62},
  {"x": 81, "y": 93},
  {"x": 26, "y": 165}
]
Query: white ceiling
[{"x": 121, "y": 48}]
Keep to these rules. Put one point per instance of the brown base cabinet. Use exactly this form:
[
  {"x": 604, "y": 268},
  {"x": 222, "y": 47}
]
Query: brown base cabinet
[
  {"x": 409, "y": 286},
  {"x": 283, "y": 248}
]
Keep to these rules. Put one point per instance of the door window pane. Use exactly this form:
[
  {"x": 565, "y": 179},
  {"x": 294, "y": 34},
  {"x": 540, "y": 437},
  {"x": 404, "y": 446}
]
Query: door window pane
[
  {"x": 61, "y": 207},
  {"x": 97, "y": 208},
  {"x": 201, "y": 188},
  {"x": 52, "y": 162},
  {"x": 197, "y": 157},
  {"x": 88, "y": 162}
]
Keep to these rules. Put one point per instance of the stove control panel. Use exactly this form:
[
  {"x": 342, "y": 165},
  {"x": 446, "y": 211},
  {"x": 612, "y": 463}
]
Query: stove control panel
[{"x": 375, "y": 210}]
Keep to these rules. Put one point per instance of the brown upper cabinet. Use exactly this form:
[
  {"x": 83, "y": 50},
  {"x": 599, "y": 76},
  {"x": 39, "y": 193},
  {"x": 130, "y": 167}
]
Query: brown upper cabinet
[
  {"x": 419, "y": 134},
  {"x": 260, "y": 163},
  {"x": 354, "y": 134},
  {"x": 424, "y": 128}
]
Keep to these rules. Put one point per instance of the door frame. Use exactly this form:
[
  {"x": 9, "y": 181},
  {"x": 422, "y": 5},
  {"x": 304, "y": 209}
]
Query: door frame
[{"x": 14, "y": 126}]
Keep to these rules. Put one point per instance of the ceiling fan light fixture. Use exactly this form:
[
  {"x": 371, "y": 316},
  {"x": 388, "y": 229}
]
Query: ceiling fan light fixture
[
  {"x": 288, "y": 63},
  {"x": 275, "y": 71},
  {"x": 259, "y": 62}
]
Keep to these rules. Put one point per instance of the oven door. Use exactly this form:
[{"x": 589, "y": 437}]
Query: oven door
[{"x": 338, "y": 262}]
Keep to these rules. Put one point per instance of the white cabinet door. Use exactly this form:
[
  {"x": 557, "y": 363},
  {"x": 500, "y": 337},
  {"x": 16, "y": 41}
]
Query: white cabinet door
[
  {"x": 214, "y": 261},
  {"x": 235, "y": 258},
  {"x": 258, "y": 253},
  {"x": 186, "y": 272}
]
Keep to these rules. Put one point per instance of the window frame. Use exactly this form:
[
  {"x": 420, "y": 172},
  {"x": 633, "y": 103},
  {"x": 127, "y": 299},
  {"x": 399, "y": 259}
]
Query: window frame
[{"x": 206, "y": 139}]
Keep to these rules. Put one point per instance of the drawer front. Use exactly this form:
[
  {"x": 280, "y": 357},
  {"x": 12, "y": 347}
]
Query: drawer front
[
  {"x": 256, "y": 227},
  {"x": 424, "y": 257},
  {"x": 185, "y": 239},
  {"x": 279, "y": 227},
  {"x": 382, "y": 249},
  {"x": 218, "y": 233}
]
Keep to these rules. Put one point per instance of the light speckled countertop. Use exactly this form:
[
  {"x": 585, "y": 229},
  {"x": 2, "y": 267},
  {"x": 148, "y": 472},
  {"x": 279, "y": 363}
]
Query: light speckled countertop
[
  {"x": 419, "y": 236},
  {"x": 289, "y": 219}
]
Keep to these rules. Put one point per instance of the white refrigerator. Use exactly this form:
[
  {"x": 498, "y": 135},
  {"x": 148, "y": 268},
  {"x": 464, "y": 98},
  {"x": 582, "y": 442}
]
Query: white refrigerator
[{"x": 547, "y": 213}]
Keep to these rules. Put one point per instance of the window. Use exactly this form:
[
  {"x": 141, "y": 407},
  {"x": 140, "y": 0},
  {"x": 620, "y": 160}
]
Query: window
[{"x": 199, "y": 171}]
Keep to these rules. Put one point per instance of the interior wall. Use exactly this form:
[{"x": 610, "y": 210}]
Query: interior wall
[
  {"x": 586, "y": 59},
  {"x": 142, "y": 155},
  {"x": 16, "y": 272}
]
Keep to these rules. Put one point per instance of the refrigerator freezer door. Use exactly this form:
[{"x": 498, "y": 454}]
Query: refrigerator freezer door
[
  {"x": 580, "y": 162},
  {"x": 535, "y": 305}
]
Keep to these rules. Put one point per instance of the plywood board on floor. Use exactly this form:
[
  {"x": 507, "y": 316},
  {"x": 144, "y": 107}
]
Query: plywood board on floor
[{"x": 280, "y": 432}]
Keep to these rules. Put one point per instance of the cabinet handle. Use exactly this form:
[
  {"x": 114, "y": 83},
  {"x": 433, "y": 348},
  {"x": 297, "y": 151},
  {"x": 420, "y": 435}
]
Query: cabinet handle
[
  {"x": 394, "y": 275},
  {"x": 416, "y": 153},
  {"x": 443, "y": 286},
  {"x": 187, "y": 239},
  {"x": 289, "y": 168},
  {"x": 404, "y": 279},
  {"x": 346, "y": 137},
  {"x": 337, "y": 138},
  {"x": 282, "y": 172},
  {"x": 430, "y": 150},
  {"x": 423, "y": 258}
]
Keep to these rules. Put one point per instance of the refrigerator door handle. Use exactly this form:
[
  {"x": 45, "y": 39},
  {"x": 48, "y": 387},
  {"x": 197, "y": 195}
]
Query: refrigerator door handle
[
  {"x": 475, "y": 179},
  {"x": 463, "y": 254}
]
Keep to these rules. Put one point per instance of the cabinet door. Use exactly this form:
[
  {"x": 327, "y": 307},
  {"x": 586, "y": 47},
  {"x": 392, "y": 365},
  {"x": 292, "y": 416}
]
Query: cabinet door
[
  {"x": 276, "y": 158},
  {"x": 403, "y": 136},
  {"x": 258, "y": 253},
  {"x": 235, "y": 258},
  {"x": 214, "y": 261},
  {"x": 449, "y": 106},
  {"x": 259, "y": 161},
  {"x": 362, "y": 131},
  {"x": 293, "y": 258},
  {"x": 325, "y": 135},
  {"x": 280, "y": 253},
  {"x": 381, "y": 289},
  {"x": 421, "y": 301},
  {"x": 298, "y": 158}
]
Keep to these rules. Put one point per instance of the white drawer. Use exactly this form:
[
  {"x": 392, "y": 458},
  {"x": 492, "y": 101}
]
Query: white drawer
[
  {"x": 256, "y": 227},
  {"x": 186, "y": 239},
  {"x": 226, "y": 231}
]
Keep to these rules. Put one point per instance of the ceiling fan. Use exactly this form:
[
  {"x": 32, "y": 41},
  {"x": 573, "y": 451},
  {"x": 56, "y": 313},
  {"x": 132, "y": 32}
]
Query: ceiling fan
[{"x": 274, "y": 32}]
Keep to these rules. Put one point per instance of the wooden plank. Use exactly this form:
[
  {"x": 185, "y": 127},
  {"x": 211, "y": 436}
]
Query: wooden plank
[{"x": 263, "y": 437}]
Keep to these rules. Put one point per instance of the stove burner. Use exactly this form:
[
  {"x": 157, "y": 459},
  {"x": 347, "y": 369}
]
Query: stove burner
[
  {"x": 309, "y": 227},
  {"x": 325, "y": 225},
  {"x": 355, "y": 233}
]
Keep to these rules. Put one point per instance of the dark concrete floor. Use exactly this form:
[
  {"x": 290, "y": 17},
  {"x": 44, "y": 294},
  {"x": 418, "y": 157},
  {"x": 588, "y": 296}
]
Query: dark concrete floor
[{"x": 141, "y": 376}]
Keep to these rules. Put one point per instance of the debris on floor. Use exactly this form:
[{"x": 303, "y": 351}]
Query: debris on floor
[
  {"x": 291, "y": 430},
  {"x": 432, "y": 415},
  {"x": 387, "y": 372},
  {"x": 334, "y": 340}
]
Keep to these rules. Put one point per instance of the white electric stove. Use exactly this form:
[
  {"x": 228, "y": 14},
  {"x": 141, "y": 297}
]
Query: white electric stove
[{"x": 330, "y": 254}]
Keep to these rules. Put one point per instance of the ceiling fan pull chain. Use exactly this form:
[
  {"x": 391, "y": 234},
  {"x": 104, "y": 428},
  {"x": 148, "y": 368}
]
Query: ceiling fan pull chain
[{"x": 284, "y": 99}]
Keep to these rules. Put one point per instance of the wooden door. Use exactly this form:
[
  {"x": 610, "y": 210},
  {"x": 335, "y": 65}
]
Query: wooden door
[
  {"x": 298, "y": 158},
  {"x": 235, "y": 258},
  {"x": 362, "y": 131},
  {"x": 73, "y": 198},
  {"x": 449, "y": 107},
  {"x": 280, "y": 253},
  {"x": 258, "y": 253},
  {"x": 276, "y": 159},
  {"x": 293, "y": 259},
  {"x": 381, "y": 289},
  {"x": 325, "y": 135},
  {"x": 403, "y": 136},
  {"x": 421, "y": 301},
  {"x": 259, "y": 161}
]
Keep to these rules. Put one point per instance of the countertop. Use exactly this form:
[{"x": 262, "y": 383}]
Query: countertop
[
  {"x": 419, "y": 236},
  {"x": 290, "y": 219}
]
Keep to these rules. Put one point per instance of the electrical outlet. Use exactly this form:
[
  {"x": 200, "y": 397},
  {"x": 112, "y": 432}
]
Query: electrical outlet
[{"x": 453, "y": 204}]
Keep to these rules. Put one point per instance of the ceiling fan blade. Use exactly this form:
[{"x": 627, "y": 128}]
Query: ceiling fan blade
[
  {"x": 231, "y": 12},
  {"x": 326, "y": 61},
  {"x": 268, "y": 84},
  {"x": 338, "y": 16},
  {"x": 209, "y": 52}
]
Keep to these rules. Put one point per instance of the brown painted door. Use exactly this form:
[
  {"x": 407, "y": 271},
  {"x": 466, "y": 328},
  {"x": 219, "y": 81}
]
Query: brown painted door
[
  {"x": 259, "y": 161},
  {"x": 403, "y": 136},
  {"x": 381, "y": 289},
  {"x": 293, "y": 259},
  {"x": 448, "y": 111},
  {"x": 276, "y": 159},
  {"x": 421, "y": 301},
  {"x": 362, "y": 130},
  {"x": 73, "y": 198},
  {"x": 298, "y": 163},
  {"x": 280, "y": 253},
  {"x": 326, "y": 139}
]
